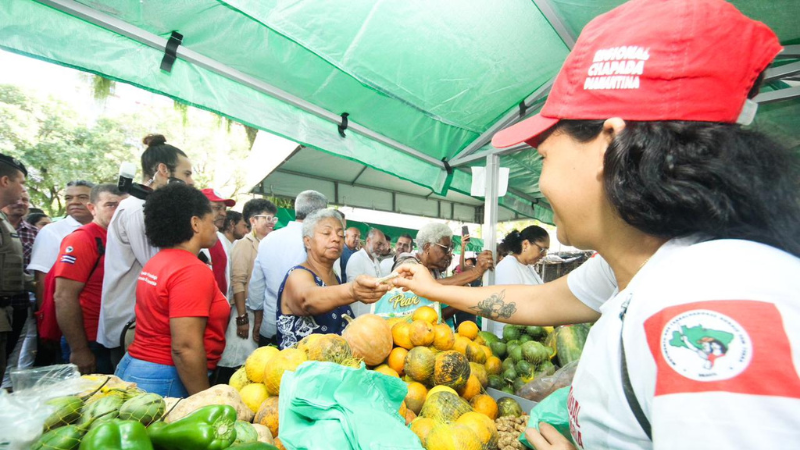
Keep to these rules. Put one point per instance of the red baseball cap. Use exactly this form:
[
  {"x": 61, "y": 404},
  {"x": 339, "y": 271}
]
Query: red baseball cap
[
  {"x": 214, "y": 196},
  {"x": 652, "y": 60}
]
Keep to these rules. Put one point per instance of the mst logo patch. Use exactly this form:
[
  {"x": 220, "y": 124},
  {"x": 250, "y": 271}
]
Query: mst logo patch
[
  {"x": 705, "y": 345},
  {"x": 737, "y": 346}
]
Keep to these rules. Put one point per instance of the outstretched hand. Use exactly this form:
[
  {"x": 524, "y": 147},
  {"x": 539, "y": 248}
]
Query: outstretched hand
[
  {"x": 416, "y": 278},
  {"x": 368, "y": 290},
  {"x": 547, "y": 438}
]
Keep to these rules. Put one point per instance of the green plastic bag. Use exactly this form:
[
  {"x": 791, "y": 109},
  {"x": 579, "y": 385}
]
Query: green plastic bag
[
  {"x": 552, "y": 410},
  {"x": 327, "y": 406}
]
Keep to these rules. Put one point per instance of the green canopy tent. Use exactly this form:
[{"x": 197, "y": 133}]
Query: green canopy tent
[{"x": 414, "y": 89}]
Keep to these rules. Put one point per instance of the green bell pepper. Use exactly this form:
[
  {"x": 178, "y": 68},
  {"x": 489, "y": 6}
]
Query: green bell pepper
[
  {"x": 253, "y": 446},
  {"x": 208, "y": 428},
  {"x": 117, "y": 434}
]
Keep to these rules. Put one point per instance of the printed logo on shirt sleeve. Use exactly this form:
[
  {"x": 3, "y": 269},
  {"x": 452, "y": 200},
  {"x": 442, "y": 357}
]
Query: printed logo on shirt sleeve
[
  {"x": 68, "y": 259},
  {"x": 735, "y": 346}
]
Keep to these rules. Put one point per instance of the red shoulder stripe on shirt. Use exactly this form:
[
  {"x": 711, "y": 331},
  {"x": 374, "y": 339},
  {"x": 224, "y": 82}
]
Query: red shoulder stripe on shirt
[{"x": 737, "y": 346}]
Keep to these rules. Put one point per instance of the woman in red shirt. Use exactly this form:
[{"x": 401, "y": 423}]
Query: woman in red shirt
[{"x": 181, "y": 315}]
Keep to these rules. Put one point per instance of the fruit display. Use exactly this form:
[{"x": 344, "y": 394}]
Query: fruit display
[
  {"x": 124, "y": 416},
  {"x": 527, "y": 353},
  {"x": 446, "y": 373}
]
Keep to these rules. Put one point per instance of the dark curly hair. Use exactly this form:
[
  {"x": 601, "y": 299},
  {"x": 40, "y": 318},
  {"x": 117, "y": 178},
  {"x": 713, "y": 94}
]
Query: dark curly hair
[
  {"x": 676, "y": 178},
  {"x": 168, "y": 214},
  {"x": 513, "y": 240},
  {"x": 231, "y": 219},
  {"x": 256, "y": 206}
]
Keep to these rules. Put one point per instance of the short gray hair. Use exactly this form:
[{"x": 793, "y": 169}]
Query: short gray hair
[
  {"x": 432, "y": 233},
  {"x": 313, "y": 219},
  {"x": 374, "y": 232},
  {"x": 307, "y": 202}
]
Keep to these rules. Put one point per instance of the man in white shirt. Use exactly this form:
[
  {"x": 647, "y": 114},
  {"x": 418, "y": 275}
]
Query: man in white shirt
[
  {"x": 48, "y": 241},
  {"x": 277, "y": 253},
  {"x": 366, "y": 262},
  {"x": 127, "y": 248}
]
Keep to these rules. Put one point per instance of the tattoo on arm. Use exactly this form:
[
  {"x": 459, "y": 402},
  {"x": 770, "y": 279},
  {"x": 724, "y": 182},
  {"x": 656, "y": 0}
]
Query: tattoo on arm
[{"x": 494, "y": 307}]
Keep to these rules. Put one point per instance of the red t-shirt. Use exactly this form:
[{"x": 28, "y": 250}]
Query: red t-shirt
[
  {"x": 219, "y": 264},
  {"x": 175, "y": 283},
  {"x": 79, "y": 259}
]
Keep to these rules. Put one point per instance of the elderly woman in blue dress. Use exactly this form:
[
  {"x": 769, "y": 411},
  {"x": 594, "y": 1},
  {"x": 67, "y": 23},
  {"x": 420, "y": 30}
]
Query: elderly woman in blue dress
[{"x": 311, "y": 298}]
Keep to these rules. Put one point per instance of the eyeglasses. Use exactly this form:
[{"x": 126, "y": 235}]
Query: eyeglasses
[
  {"x": 542, "y": 250},
  {"x": 269, "y": 219},
  {"x": 447, "y": 249}
]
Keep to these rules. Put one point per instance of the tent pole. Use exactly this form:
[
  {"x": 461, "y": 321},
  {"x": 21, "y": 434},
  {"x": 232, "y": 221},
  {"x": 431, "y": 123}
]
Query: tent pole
[{"x": 490, "y": 210}]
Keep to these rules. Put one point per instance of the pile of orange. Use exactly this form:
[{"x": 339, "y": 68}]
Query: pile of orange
[{"x": 417, "y": 342}]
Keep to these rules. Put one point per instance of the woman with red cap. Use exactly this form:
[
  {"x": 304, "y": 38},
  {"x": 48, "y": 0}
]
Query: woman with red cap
[{"x": 645, "y": 160}]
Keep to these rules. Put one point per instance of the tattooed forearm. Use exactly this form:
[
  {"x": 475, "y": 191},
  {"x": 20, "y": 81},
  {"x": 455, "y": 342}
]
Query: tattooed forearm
[{"x": 494, "y": 307}]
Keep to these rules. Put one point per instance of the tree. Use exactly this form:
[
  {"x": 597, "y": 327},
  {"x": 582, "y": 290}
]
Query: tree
[
  {"x": 48, "y": 137},
  {"x": 58, "y": 144}
]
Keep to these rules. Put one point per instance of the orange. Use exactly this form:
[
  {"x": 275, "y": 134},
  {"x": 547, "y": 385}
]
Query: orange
[
  {"x": 401, "y": 334},
  {"x": 422, "y": 426},
  {"x": 386, "y": 370},
  {"x": 267, "y": 415},
  {"x": 397, "y": 359},
  {"x": 421, "y": 333},
  {"x": 472, "y": 388},
  {"x": 487, "y": 350},
  {"x": 468, "y": 329},
  {"x": 460, "y": 345},
  {"x": 416, "y": 396},
  {"x": 485, "y": 405},
  {"x": 474, "y": 353},
  {"x": 479, "y": 340},
  {"x": 427, "y": 314},
  {"x": 410, "y": 416},
  {"x": 443, "y": 338},
  {"x": 493, "y": 365},
  {"x": 403, "y": 410},
  {"x": 453, "y": 437},
  {"x": 440, "y": 388},
  {"x": 279, "y": 444},
  {"x": 483, "y": 426},
  {"x": 479, "y": 370}
]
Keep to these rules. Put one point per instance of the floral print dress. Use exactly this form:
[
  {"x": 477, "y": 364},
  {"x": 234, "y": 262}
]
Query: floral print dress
[{"x": 292, "y": 329}]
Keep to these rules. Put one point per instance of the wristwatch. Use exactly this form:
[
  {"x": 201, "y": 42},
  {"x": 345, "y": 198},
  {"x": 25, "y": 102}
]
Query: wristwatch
[{"x": 242, "y": 320}]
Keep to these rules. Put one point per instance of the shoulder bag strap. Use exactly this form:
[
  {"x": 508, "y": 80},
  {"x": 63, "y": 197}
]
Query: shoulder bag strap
[{"x": 627, "y": 388}]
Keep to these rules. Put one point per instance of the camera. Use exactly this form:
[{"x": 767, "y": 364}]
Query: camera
[{"x": 127, "y": 172}]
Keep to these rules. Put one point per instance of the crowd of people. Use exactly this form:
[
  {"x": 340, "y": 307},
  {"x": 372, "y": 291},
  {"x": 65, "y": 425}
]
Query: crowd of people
[{"x": 173, "y": 291}]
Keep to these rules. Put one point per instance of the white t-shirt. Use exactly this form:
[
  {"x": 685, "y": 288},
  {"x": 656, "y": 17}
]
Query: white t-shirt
[
  {"x": 127, "y": 251},
  {"x": 361, "y": 264},
  {"x": 227, "y": 246},
  {"x": 386, "y": 265},
  {"x": 593, "y": 282},
  {"x": 47, "y": 243},
  {"x": 712, "y": 353},
  {"x": 510, "y": 271}
]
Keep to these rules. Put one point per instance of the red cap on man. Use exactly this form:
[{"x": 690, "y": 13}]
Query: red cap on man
[
  {"x": 657, "y": 60},
  {"x": 215, "y": 196}
]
